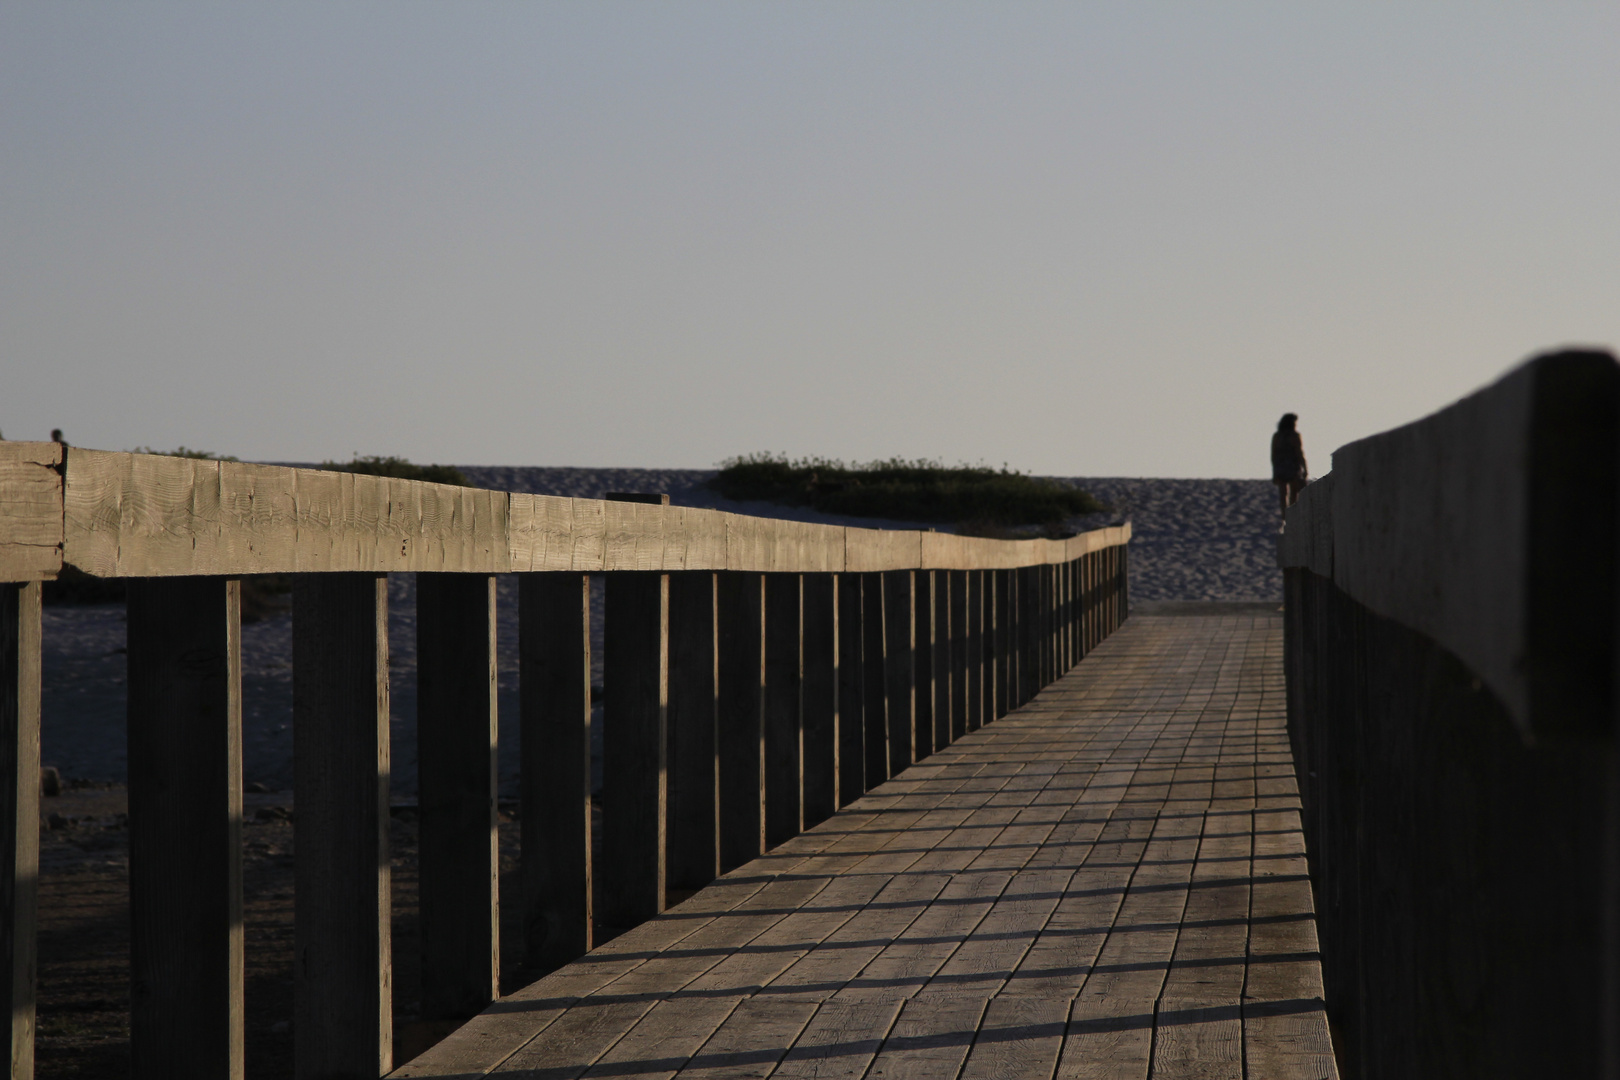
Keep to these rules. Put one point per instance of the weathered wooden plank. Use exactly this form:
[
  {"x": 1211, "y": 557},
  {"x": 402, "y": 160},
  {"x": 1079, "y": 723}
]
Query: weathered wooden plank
[
  {"x": 1131, "y": 778},
  {"x": 19, "y": 818},
  {"x": 929, "y": 1039},
  {"x": 1019, "y": 1036},
  {"x": 694, "y": 773},
  {"x": 875, "y": 692},
  {"x": 956, "y": 650},
  {"x": 665, "y": 1038},
  {"x": 1285, "y": 1030},
  {"x": 343, "y": 992},
  {"x": 635, "y": 678},
  {"x": 840, "y": 1040},
  {"x": 185, "y": 816},
  {"x": 456, "y": 730},
  {"x": 819, "y": 699},
  {"x": 742, "y": 717},
  {"x": 1001, "y": 641},
  {"x": 1495, "y": 550},
  {"x": 979, "y": 674},
  {"x": 784, "y": 676},
  {"x": 554, "y": 663},
  {"x": 851, "y": 689},
  {"x": 922, "y": 662},
  {"x": 899, "y": 667},
  {"x": 756, "y": 1036},
  {"x": 873, "y": 551},
  {"x": 137, "y": 514},
  {"x": 540, "y": 532},
  {"x": 31, "y": 527}
]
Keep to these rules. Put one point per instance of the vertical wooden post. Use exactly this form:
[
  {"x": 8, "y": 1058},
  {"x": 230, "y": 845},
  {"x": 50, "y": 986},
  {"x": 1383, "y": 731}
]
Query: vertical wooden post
[
  {"x": 851, "y": 691},
  {"x": 820, "y": 697},
  {"x": 1001, "y": 640},
  {"x": 944, "y": 672},
  {"x": 459, "y": 882},
  {"x": 1069, "y": 656},
  {"x": 784, "y": 674},
  {"x": 1041, "y": 578},
  {"x": 875, "y": 692},
  {"x": 1054, "y": 620},
  {"x": 185, "y": 820},
  {"x": 694, "y": 813},
  {"x": 19, "y": 817},
  {"x": 960, "y": 651},
  {"x": 899, "y": 672},
  {"x": 343, "y": 994},
  {"x": 554, "y": 666},
  {"x": 1088, "y": 603},
  {"x": 1094, "y": 606},
  {"x": 742, "y": 717},
  {"x": 1108, "y": 590},
  {"x": 922, "y": 663},
  {"x": 1124, "y": 581},
  {"x": 978, "y": 682},
  {"x": 1029, "y": 628},
  {"x": 635, "y": 681}
]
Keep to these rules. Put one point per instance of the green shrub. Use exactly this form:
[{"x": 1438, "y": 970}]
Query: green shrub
[
  {"x": 398, "y": 467},
  {"x": 186, "y": 451},
  {"x": 905, "y": 490}
]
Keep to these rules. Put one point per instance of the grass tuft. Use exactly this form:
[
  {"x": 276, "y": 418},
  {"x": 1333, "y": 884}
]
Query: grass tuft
[
  {"x": 399, "y": 468},
  {"x": 919, "y": 490}
]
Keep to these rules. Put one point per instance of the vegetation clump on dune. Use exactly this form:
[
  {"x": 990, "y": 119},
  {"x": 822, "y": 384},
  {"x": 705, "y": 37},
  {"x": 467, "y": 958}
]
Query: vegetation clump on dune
[
  {"x": 399, "y": 468},
  {"x": 975, "y": 497}
]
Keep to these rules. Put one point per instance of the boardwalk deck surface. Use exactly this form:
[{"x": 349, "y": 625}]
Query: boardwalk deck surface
[{"x": 1109, "y": 882}]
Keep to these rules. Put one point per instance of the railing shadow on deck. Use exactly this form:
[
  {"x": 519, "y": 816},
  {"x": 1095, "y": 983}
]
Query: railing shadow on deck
[
  {"x": 1450, "y": 624},
  {"x": 760, "y": 674}
]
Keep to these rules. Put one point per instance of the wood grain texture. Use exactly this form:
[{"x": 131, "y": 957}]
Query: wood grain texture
[
  {"x": 19, "y": 818},
  {"x": 1478, "y": 550},
  {"x": 635, "y": 676},
  {"x": 922, "y": 662},
  {"x": 875, "y": 691},
  {"x": 694, "y": 700},
  {"x": 31, "y": 497},
  {"x": 851, "y": 689},
  {"x": 554, "y": 665},
  {"x": 456, "y": 728},
  {"x": 742, "y": 717},
  {"x": 899, "y": 670},
  {"x": 820, "y": 697},
  {"x": 1056, "y": 894},
  {"x": 784, "y": 732},
  {"x": 131, "y": 515},
  {"x": 185, "y": 819},
  {"x": 956, "y": 621},
  {"x": 343, "y": 989}
]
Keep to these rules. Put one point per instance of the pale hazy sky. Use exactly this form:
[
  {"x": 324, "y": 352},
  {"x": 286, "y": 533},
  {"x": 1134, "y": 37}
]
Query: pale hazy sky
[{"x": 1079, "y": 238}]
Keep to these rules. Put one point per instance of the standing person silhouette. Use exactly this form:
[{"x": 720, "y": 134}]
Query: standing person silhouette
[{"x": 1288, "y": 469}]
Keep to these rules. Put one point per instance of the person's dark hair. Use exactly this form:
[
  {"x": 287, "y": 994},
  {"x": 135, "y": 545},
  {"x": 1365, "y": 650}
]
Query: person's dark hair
[{"x": 1287, "y": 422}]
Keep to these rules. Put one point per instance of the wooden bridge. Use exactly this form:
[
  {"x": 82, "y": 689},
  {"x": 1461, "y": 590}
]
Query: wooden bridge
[
  {"x": 881, "y": 804},
  {"x": 1109, "y": 881}
]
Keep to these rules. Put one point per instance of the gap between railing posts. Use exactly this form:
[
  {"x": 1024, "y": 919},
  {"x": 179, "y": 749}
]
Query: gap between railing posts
[{"x": 758, "y": 675}]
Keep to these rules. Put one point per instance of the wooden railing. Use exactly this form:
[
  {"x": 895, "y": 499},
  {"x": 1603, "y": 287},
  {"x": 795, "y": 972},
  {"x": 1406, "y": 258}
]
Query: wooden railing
[
  {"x": 759, "y": 674},
  {"x": 1451, "y": 634}
]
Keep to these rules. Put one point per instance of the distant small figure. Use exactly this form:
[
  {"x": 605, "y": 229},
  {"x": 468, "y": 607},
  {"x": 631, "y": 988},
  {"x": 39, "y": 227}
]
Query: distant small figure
[
  {"x": 1288, "y": 469},
  {"x": 56, "y": 436}
]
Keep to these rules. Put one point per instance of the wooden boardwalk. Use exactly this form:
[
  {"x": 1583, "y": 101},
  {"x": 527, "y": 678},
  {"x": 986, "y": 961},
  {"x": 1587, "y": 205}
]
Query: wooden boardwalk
[{"x": 1108, "y": 882}]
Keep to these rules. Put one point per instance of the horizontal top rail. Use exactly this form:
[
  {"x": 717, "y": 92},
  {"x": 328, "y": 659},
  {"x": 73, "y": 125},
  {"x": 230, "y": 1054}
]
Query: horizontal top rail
[
  {"x": 146, "y": 515},
  {"x": 1492, "y": 527}
]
